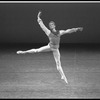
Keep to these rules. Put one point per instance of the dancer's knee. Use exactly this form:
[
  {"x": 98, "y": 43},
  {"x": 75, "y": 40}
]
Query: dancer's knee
[{"x": 37, "y": 50}]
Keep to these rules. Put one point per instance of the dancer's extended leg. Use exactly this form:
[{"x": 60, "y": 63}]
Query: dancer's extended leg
[
  {"x": 41, "y": 49},
  {"x": 56, "y": 54}
]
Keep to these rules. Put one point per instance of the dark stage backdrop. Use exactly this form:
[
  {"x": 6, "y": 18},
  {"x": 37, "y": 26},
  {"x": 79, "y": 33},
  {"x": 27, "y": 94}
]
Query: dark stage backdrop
[{"x": 18, "y": 22}]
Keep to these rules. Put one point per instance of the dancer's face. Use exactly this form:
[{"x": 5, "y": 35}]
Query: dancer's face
[{"x": 52, "y": 25}]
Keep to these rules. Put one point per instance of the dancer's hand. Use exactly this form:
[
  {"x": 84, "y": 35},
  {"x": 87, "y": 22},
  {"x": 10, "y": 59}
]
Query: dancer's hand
[
  {"x": 80, "y": 28},
  {"x": 39, "y": 14},
  {"x": 38, "y": 17}
]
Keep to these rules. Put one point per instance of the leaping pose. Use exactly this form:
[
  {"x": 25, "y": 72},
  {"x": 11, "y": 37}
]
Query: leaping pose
[{"x": 54, "y": 38}]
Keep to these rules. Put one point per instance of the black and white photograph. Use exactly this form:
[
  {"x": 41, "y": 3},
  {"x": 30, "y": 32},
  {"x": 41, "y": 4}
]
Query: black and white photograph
[{"x": 49, "y": 49}]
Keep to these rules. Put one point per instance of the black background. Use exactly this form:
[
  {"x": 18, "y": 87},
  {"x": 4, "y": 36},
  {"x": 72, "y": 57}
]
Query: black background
[{"x": 18, "y": 22}]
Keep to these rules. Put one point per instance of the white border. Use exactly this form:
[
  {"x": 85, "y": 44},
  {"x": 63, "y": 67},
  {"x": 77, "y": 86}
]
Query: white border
[{"x": 49, "y": 1}]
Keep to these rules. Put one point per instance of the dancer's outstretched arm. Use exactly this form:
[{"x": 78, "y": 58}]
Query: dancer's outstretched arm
[
  {"x": 69, "y": 31},
  {"x": 44, "y": 28}
]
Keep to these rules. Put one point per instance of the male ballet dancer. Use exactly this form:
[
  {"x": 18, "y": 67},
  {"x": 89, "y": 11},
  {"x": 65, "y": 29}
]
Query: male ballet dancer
[{"x": 54, "y": 37}]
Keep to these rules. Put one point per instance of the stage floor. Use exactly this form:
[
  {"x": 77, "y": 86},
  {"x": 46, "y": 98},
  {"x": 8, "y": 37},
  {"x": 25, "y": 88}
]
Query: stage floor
[{"x": 36, "y": 76}]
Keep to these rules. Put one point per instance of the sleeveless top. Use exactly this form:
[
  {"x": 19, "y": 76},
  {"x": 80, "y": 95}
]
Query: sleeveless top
[{"x": 54, "y": 38}]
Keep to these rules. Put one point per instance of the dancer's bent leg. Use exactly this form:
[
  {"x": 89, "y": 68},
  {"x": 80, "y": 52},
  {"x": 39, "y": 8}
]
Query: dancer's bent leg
[
  {"x": 56, "y": 54},
  {"x": 41, "y": 49}
]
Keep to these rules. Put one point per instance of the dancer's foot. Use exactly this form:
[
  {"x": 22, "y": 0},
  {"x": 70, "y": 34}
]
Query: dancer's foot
[
  {"x": 64, "y": 78},
  {"x": 20, "y": 52}
]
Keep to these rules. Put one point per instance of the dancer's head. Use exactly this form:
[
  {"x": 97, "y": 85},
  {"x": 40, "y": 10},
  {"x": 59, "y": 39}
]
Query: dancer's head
[{"x": 52, "y": 25}]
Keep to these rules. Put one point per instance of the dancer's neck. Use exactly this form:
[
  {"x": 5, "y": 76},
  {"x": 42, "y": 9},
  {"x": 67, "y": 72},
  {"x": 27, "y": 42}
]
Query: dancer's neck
[{"x": 54, "y": 30}]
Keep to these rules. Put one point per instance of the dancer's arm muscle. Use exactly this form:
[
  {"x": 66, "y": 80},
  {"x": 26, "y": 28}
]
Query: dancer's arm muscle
[
  {"x": 69, "y": 31},
  {"x": 44, "y": 28}
]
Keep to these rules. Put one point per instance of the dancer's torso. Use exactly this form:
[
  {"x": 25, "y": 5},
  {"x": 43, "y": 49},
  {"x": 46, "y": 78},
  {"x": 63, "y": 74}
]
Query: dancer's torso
[{"x": 54, "y": 38}]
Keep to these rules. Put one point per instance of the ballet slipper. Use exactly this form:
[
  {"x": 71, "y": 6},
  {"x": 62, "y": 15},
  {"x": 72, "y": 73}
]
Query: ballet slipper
[{"x": 20, "y": 52}]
